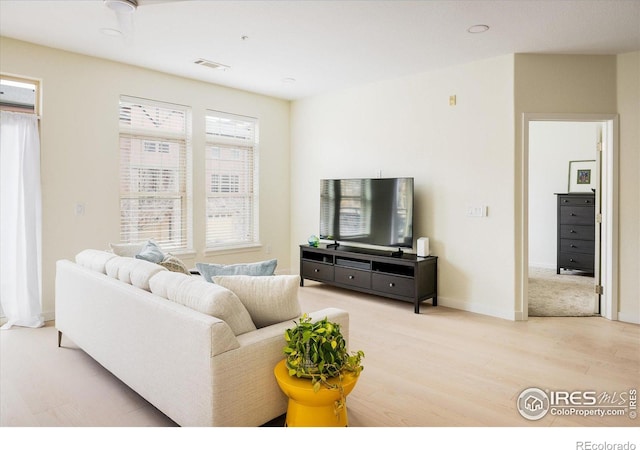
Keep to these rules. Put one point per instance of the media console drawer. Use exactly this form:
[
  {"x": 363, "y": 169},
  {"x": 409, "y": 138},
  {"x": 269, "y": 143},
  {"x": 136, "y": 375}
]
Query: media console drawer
[
  {"x": 406, "y": 277},
  {"x": 392, "y": 284},
  {"x": 353, "y": 277},
  {"x": 317, "y": 271}
]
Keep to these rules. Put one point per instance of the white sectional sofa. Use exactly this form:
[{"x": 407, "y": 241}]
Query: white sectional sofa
[{"x": 189, "y": 347}]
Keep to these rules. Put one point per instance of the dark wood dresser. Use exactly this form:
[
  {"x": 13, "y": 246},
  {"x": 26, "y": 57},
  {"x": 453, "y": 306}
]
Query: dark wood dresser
[{"x": 576, "y": 231}]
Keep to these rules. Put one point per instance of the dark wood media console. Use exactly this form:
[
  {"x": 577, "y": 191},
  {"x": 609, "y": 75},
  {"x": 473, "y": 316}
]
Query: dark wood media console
[{"x": 406, "y": 277}]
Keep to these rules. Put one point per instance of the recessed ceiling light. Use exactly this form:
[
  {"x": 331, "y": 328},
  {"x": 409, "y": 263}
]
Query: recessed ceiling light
[
  {"x": 121, "y": 6},
  {"x": 111, "y": 32},
  {"x": 478, "y": 28}
]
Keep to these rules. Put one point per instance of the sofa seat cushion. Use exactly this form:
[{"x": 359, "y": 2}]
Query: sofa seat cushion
[
  {"x": 269, "y": 299},
  {"x": 205, "y": 297},
  {"x": 94, "y": 259},
  {"x": 136, "y": 272},
  {"x": 262, "y": 268}
]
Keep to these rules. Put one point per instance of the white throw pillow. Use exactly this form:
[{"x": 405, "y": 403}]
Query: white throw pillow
[
  {"x": 129, "y": 250},
  {"x": 269, "y": 299},
  {"x": 215, "y": 301}
]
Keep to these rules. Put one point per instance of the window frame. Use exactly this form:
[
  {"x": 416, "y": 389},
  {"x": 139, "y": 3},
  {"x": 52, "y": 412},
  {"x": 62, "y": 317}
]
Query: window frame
[
  {"x": 163, "y": 140},
  {"x": 216, "y": 142}
]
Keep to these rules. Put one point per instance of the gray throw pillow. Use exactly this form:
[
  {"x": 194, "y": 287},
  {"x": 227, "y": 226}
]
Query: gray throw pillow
[
  {"x": 262, "y": 268},
  {"x": 151, "y": 252}
]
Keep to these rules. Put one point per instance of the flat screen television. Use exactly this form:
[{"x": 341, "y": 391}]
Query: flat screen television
[{"x": 374, "y": 211}]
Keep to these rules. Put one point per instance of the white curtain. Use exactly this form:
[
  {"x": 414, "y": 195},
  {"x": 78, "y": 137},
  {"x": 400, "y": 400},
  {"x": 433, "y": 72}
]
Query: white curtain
[{"x": 20, "y": 220}]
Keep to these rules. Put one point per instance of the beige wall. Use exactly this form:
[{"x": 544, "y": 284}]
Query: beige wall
[
  {"x": 459, "y": 155},
  {"x": 628, "y": 79},
  {"x": 468, "y": 154},
  {"x": 79, "y": 143},
  {"x": 589, "y": 85}
]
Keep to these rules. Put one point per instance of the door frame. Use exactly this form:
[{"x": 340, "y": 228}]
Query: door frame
[{"x": 608, "y": 205}]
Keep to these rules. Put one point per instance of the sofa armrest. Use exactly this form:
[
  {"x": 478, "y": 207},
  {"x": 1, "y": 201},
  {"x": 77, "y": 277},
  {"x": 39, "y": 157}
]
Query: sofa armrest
[{"x": 244, "y": 376}]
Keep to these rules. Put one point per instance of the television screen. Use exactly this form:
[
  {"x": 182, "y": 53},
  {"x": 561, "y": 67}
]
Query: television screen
[{"x": 375, "y": 211}]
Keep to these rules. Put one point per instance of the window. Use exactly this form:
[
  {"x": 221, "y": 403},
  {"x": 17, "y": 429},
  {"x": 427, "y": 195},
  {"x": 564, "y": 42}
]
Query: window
[
  {"x": 155, "y": 174},
  {"x": 231, "y": 177},
  {"x": 19, "y": 95}
]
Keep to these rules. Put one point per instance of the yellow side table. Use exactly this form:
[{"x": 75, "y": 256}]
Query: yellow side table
[{"x": 312, "y": 409}]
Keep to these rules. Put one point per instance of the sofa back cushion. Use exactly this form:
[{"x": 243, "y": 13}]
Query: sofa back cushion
[
  {"x": 94, "y": 259},
  {"x": 269, "y": 299},
  {"x": 136, "y": 272},
  {"x": 204, "y": 297}
]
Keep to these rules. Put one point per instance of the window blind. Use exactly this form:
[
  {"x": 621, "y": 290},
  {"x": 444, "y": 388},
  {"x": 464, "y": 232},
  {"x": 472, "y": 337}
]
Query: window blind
[
  {"x": 231, "y": 176},
  {"x": 155, "y": 173}
]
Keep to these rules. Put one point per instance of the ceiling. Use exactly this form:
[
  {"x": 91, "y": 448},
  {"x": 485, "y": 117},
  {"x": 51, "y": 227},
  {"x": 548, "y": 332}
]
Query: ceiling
[{"x": 295, "y": 49}]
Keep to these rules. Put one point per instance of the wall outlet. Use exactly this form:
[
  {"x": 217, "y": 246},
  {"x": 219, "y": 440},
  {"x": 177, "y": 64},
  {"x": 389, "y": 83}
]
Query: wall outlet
[{"x": 477, "y": 211}]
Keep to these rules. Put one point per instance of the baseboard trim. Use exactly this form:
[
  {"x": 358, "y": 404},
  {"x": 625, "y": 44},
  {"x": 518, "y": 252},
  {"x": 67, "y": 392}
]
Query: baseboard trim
[{"x": 477, "y": 308}]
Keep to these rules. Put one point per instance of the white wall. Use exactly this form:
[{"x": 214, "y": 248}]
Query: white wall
[
  {"x": 79, "y": 146},
  {"x": 459, "y": 155},
  {"x": 551, "y": 146}
]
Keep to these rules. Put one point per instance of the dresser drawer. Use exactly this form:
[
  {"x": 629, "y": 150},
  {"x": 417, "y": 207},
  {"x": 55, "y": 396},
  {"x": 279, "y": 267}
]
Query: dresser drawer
[
  {"x": 577, "y": 246},
  {"x": 353, "y": 277},
  {"x": 317, "y": 271},
  {"x": 585, "y": 232},
  {"x": 577, "y": 200},
  {"x": 578, "y": 215},
  {"x": 576, "y": 261},
  {"x": 393, "y": 284}
]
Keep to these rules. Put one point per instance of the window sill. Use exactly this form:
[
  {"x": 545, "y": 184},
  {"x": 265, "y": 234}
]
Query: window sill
[{"x": 233, "y": 250}]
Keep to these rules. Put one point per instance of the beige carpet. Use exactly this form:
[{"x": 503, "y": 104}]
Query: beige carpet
[{"x": 570, "y": 294}]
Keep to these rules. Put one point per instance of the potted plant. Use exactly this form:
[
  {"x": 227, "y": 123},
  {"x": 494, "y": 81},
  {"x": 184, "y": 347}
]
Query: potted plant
[{"x": 318, "y": 351}]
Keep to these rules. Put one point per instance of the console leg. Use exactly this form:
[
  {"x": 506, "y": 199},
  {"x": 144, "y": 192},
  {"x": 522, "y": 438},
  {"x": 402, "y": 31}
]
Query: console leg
[
  {"x": 435, "y": 301},
  {"x": 59, "y": 337}
]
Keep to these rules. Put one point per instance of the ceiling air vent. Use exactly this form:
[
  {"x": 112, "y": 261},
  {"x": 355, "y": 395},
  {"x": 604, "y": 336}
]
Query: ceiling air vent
[{"x": 212, "y": 65}]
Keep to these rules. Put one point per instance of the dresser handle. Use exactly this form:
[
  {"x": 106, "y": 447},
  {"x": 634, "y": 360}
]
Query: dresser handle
[
  {"x": 565, "y": 201},
  {"x": 571, "y": 259},
  {"x": 572, "y": 214},
  {"x": 573, "y": 246},
  {"x": 351, "y": 277},
  {"x": 316, "y": 270},
  {"x": 572, "y": 231},
  {"x": 392, "y": 284}
]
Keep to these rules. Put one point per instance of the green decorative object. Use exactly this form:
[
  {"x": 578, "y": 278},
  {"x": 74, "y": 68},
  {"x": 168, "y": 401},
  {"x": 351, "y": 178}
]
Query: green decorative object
[{"x": 313, "y": 240}]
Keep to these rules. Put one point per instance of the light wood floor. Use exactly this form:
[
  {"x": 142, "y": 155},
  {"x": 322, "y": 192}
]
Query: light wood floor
[{"x": 439, "y": 368}]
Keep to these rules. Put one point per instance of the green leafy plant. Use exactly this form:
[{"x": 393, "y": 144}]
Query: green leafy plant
[{"x": 318, "y": 350}]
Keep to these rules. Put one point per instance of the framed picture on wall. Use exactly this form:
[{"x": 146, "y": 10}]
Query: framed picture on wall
[{"x": 582, "y": 176}]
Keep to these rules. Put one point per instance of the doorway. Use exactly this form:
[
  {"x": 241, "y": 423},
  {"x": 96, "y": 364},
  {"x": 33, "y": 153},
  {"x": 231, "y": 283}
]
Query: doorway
[{"x": 539, "y": 243}]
